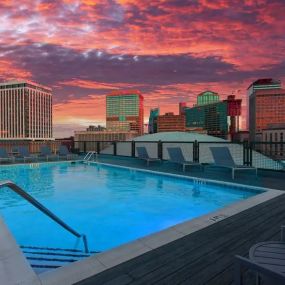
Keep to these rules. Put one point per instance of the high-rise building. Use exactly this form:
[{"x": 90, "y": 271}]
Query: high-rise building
[
  {"x": 171, "y": 123},
  {"x": 152, "y": 122},
  {"x": 218, "y": 118},
  {"x": 25, "y": 111},
  {"x": 125, "y": 111},
  {"x": 266, "y": 105}
]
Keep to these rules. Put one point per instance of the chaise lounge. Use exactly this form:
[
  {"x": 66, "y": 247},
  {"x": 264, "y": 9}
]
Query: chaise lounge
[
  {"x": 176, "y": 156},
  {"x": 143, "y": 154},
  {"x": 4, "y": 156},
  {"x": 25, "y": 154},
  {"x": 223, "y": 158},
  {"x": 63, "y": 152},
  {"x": 47, "y": 154}
]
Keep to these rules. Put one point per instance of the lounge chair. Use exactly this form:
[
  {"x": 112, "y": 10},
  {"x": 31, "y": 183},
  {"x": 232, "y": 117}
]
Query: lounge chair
[
  {"x": 223, "y": 158},
  {"x": 47, "y": 154},
  {"x": 63, "y": 152},
  {"x": 143, "y": 154},
  {"x": 4, "y": 156},
  {"x": 267, "y": 259},
  {"x": 23, "y": 152},
  {"x": 176, "y": 156}
]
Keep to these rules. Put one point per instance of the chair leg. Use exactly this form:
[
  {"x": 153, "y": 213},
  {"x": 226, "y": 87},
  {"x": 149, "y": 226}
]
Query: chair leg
[{"x": 233, "y": 173}]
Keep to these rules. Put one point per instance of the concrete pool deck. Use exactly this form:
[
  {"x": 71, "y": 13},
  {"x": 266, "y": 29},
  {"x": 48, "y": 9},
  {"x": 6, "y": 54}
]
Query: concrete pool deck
[{"x": 199, "y": 251}]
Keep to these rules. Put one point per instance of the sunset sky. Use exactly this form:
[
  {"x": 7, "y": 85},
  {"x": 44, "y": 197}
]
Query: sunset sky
[{"x": 168, "y": 49}]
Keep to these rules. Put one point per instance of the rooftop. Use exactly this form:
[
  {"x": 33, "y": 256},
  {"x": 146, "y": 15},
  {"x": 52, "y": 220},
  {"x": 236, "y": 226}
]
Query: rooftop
[
  {"x": 265, "y": 81},
  {"x": 178, "y": 137},
  {"x": 12, "y": 82}
]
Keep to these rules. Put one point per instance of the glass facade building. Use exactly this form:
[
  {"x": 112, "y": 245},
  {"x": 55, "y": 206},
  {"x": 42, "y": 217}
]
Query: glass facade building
[
  {"x": 124, "y": 111},
  {"x": 152, "y": 122},
  {"x": 218, "y": 118},
  {"x": 25, "y": 111}
]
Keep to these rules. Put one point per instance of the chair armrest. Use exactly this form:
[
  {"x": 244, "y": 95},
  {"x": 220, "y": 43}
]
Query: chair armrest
[{"x": 242, "y": 262}]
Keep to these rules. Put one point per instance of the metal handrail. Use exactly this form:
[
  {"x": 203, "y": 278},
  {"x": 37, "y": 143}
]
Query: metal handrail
[{"x": 44, "y": 210}]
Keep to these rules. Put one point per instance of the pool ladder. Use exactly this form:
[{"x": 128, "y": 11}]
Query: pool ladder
[
  {"x": 44, "y": 210},
  {"x": 89, "y": 155}
]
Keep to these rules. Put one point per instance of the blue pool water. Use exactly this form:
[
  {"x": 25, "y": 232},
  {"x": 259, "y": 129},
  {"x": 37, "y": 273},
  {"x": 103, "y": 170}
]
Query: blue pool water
[{"x": 110, "y": 205}]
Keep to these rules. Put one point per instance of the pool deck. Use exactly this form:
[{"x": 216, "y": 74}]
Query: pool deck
[{"x": 205, "y": 256}]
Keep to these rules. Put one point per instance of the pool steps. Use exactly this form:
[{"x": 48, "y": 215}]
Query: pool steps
[{"x": 46, "y": 258}]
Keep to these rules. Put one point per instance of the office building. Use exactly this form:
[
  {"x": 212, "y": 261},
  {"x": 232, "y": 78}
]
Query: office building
[
  {"x": 125, "y": 111},
  {"x": 25, "y": 111},
  {"x": 266, "y": 105},
  {"x": 218, "y": 118},
  {"x": 152, "y": 122},
  {"x": 171, "y": 123}
]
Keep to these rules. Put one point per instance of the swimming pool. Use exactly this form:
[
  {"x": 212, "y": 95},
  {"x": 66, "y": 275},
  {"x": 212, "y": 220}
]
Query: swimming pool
[{"x": 111, "y": 205}]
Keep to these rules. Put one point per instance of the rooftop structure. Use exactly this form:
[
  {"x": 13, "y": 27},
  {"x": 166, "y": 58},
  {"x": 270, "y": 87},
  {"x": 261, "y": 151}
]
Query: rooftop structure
[
  {"x": 207, "y": 97},
  {"x": 179, "y": 137}
]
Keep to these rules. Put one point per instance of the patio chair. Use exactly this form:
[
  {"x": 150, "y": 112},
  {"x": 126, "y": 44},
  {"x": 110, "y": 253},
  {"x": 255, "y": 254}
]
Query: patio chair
[
  {"x": 4, "y": 156},
  {"x": 223, "y": 158},
  {"x": 143, "y": 154},
  {"x": 176, "y": 156},
  {"x": 46, "y": 153},
  {"x": 267, "y": 259},
  {"x": 63, "y": 152},
  {"x": 23, "y": 153}
]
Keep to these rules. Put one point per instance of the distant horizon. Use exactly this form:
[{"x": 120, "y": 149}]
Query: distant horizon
[{"x": 169, "y": 50}]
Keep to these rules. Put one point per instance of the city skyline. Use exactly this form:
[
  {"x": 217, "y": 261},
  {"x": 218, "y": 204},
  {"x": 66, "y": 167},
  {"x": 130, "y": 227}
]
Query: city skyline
[{"x": 169, "y": 50}]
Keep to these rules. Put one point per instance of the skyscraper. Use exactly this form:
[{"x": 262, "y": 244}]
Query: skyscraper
[
  {"x": 266, "y": 105},
  {"x": 25, "y": 111},
  {"x": 125, "y": 111}
]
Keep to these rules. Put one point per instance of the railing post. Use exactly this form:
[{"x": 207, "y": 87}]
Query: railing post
[
  {"x": 250, "y": 154},
  {"x": 133, "y": 149},
  {"x": 159, "y": 150},
  {"x": 84, "y": 147},
  {"x": 196, "y": 151},
  {"x": 98, "y": 147},
  {"x": 244, "y": 151},
  {"x": 114, "y": 148}
]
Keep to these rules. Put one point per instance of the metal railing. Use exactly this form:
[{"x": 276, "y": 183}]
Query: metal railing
[
  {"x": 44, "y": 210},
  {"x": 263, "y": 155}
]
